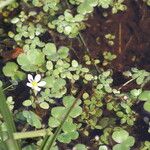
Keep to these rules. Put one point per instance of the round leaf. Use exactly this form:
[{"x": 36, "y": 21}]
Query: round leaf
[
  {"x": 147, "y": 106},
  {"x": 120, "y": 135}
]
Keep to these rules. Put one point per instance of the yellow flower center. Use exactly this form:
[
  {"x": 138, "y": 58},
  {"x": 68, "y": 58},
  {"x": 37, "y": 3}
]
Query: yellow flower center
[{"x": 34, "y": 83}]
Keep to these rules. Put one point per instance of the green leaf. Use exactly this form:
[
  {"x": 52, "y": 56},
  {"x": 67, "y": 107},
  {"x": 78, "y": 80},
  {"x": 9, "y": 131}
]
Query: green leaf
[
  {"x": 58, "y": 112},
  {"x": 69, "y": 127},
  {"x": 88, "y": 77},
  {"x": 49, "y": 65},
  {"x": 68, "y": 101},
  {"x": 32, "y": 119},
  {"x": 129, "y": 142},
  {"x": 73, "y": 135},
  {"x": 136, "y": 92},
  {"x": 76, "y": 111},
  {"x": 63, "y": 52},
  {"x": 103, "y": 147},
  {"x": 121, "y": 147},
  {"x": 32, "y": 60},
  {"x": 44, "y": 105},
  {"x": 53, "y": 122},
  {"x": 27, "y": 103},
  {"x": 49, "y": 49},
  {"x": 30, "y": 147},
  {"x": 80, "y": 147},
  {"x": 120, "y": 135},
  {"x": 147, "y": 106},
  {"x": 74, "y": 63},
  {"x": 10, "y": 69},
  {"x": 144, "y": 96},
  {"x": 64, "y": 138}
]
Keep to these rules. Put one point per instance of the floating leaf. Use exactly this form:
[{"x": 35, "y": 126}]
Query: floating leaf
[
  {"x": 10, "y": 69},
  {"x": 32, "y": 119},
  {"x": 53, "y": 122},
  {"x": 27, "y": 103},
  {"x": 103, "y": 147},
  {"x": 120, "y": 135},
  {"x": 144, "y": 96},
  {"x": 44, "y": 105},
  {"x": 147, "y": 106},
  {"x": 80, "y": 147}
]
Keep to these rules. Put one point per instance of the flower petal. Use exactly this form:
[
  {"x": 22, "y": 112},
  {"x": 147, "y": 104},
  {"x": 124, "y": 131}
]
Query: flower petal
[
  {"x": 37, "y": 88},
  {"x": 37, "y": 78},
  {"x": 42, "y": 83},
  {"x": 30, "y": 77},
  {"x": 29, "y": 85}
]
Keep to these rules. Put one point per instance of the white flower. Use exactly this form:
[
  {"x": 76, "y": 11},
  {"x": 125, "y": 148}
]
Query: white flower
[{"x": 35, "y": 83}]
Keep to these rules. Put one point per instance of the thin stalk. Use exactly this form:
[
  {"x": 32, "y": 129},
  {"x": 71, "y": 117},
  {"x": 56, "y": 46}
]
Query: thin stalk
[
  {"x": 50, "y": 140},
  {"x": 8, "y": 87},
  {"x": 32, "y": 134},
  {"x": 126, "y": 83},
  {"x": 81, "y": 39},
  {"x": 88, "y": 51},
  {"x": 11, "y": 143},
  {"x": 120, "y": 38}
]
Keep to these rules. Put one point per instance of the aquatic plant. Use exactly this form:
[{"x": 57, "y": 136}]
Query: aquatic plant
[{"x": 65, "y": 96}]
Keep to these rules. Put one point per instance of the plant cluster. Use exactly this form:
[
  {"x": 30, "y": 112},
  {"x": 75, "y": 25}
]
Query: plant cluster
[{"x": 76, "y": 97}]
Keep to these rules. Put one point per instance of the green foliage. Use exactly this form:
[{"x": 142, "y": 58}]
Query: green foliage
[
  {"x": 123, "y": 111},
  {"x": 29, "y": 147},
  {"x": 11, "y": 69},
  {"x": 136, "y": 92},
  {"x": 69, "y": 128},
  {"x": 108, "y": 57},
  {"x": 87, "y": 6},
  {"x": 110, "y": 39},
  {"x": 68, "y": 24},
  {"x": 105, "y": 3},
  {"x": 105, "y": 81},
  {"x": 106, "y": 135},
  {"x": 32, "y": 119},
  {"x": 25, "y": 31},
  {"x": 145, "y": 146},
  {"x": 31, "y": 61},
  {"x": 76, "y": 2},
  {"x": 5, "y": 3},
  {"x": 118, "y": 6},
  {"x": 138, "y": 75},
  {"x": 92, "y": 105},
  {"x": 103, "y": 147},
  {"x": 145, "y": 96},
  {"x": 10, "y": 103},
  {"x": 80, "y": 147},
  {"x": 122, "y": 137},
  {"x": 104, "y": 105},
  {"x": 48, "y": 6}
]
